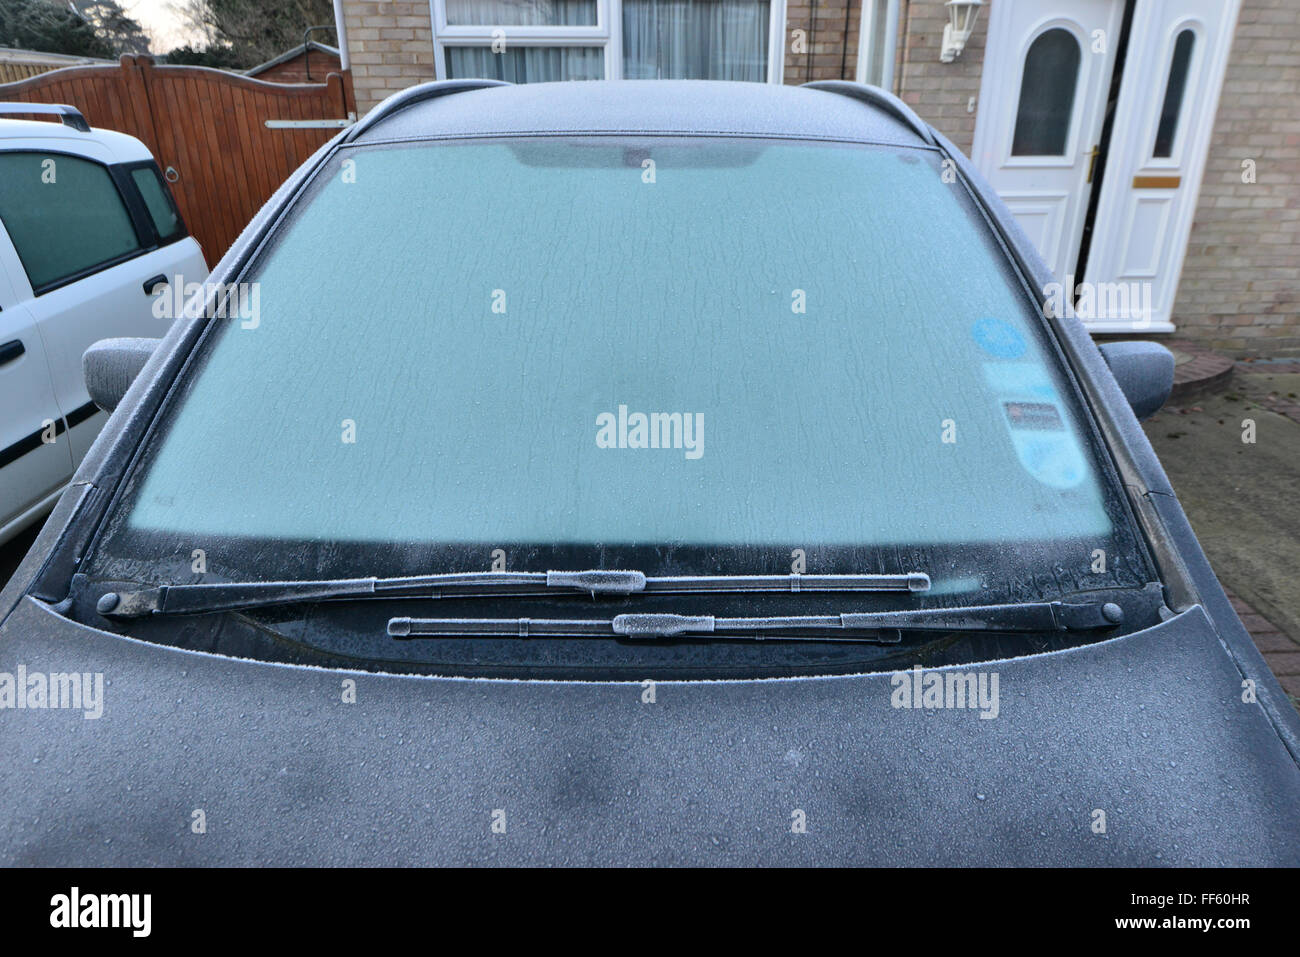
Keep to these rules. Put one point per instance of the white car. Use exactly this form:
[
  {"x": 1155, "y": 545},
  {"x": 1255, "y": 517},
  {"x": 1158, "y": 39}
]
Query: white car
[{"x": 89, "y": 235}]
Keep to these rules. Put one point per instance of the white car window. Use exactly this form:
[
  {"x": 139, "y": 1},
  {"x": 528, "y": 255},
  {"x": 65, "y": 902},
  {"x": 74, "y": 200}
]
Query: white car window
[
  {"x": 64, "y": 215},
  {"x": 166, "y": 220}
]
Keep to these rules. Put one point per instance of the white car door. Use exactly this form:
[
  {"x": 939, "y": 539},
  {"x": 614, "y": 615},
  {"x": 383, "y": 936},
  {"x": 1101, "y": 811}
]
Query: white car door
[
  {"x": 91, "y": 262},
  {"x": 35, "y": 457}
]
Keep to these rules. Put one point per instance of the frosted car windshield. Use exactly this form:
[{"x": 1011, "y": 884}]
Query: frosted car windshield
[{"x": 682, "y": 355}]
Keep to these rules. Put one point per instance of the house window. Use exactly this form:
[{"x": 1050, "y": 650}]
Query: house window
[
  {"x": 877, "y": 42},
  {"x": 531, "y": 64},
  {"x": 1047, "y": 95},
  {"x": 1174, "y": 89},
  {"x": 528, "y": 13},
  {"x": 526, "y": 41},
  {"x": 695, "y": 39}
]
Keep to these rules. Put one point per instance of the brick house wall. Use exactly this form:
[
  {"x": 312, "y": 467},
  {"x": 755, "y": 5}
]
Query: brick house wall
[
  {"x": 945, "y": 95},
  {"x": 1240, "y": 285},
  {"x": 390, "y": 45}
]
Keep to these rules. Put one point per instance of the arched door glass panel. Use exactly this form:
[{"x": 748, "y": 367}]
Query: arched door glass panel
[{"x": 1047, "y": 89}]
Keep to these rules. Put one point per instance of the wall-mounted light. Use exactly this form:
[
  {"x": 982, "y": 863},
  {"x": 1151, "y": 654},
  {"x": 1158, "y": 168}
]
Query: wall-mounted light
[{"x": 962, "y": 15}]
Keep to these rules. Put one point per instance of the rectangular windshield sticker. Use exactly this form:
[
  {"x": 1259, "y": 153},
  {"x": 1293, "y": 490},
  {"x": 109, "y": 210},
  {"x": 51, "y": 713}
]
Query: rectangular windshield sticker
[
  {"x": 1034, "y": 415},
  {"x": 1045, "y": 446}
]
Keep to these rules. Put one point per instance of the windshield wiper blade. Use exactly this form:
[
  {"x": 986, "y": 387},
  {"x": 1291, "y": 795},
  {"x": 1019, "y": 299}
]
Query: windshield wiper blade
[
  {"x": 877, "y": 626},
  {"x": 204, "y": 598}
]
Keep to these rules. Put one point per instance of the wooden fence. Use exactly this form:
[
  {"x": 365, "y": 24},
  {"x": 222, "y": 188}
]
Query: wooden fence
[
  {"x": 205, "y": 127},
  {"x": 11, "y": 72}
]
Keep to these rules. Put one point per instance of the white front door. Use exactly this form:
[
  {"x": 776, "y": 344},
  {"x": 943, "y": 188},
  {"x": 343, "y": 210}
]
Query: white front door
[
  {"x": 1043, "y": 95},
  {"x": 1178, "y": 51}
]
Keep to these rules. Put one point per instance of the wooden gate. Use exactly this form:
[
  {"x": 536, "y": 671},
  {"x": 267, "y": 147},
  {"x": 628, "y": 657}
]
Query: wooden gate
[{"x": 207, "y": 129}]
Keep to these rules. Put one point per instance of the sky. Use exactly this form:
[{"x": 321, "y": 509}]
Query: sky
[{"x": 163, "y": 21}]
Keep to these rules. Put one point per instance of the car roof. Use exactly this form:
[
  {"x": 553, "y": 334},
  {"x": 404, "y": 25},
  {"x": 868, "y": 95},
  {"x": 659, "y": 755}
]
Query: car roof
[
  {"x": 125, "y": 149},
  {"x": 698, "y": 107}
]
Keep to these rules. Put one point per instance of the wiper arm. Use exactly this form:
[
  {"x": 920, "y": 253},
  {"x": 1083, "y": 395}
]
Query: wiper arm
[
  {"x": 236, "y": 596},
  {"x": 877, "y": 626}
]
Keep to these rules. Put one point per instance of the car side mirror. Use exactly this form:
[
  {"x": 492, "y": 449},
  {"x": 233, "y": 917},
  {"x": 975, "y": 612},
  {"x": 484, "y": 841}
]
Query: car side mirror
[
  {"x": 111, "y": 365},
  {"x": 1144, "y": 371}
]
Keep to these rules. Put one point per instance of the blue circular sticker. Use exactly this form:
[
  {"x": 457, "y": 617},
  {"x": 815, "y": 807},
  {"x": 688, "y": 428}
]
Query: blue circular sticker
[{"x": 999, "y": 339}]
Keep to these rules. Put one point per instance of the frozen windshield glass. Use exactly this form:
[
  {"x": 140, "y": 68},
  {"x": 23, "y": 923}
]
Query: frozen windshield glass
[{"x": 707, "y": 354}]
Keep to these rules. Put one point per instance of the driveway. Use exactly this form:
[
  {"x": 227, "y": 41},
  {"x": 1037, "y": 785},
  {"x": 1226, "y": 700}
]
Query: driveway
[{"x": 1234, "y": 459}]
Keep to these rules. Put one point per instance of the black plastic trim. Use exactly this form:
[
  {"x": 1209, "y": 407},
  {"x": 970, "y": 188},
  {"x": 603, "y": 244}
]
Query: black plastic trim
[
  {"x": 413, "y": 95},
  {"x": 11, "y": 350},
  {"x": 81, "y": 413},
  {"x": 29, "y": 443},
  {"x": 882, "y": 100}
]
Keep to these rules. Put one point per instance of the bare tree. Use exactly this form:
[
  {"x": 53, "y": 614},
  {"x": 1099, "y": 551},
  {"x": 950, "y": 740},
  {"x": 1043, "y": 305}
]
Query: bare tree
[{"x": 254, "y": 31}]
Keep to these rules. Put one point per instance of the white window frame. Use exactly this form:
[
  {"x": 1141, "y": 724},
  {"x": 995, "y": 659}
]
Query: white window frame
[
  {"x": 889, "y": 49},
  {"x": 607, "y": 34}
]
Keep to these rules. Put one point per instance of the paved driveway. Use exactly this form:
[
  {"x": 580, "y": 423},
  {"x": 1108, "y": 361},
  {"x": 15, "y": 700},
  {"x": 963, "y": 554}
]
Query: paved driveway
[{"x": 1242, "y": 497}]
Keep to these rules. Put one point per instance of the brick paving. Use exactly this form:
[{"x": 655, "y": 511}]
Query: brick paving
[
  {"x": 1281, "y": 654},
  {"x": 1197, "y": 369}
]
